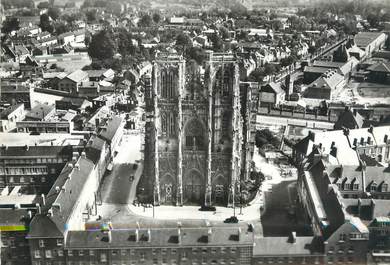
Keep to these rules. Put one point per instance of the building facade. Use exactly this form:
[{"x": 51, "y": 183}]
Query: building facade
[{"x": 193, "y": 141}]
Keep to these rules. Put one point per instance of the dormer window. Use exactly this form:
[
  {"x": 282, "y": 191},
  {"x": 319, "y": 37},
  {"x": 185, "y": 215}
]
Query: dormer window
[
  {"x": 384, "y": 187},
  {"x": 355, "y": 186},
  {"x": 373, "y": 187}
]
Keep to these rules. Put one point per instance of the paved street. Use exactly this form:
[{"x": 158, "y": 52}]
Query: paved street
[{"x": 117, "y": 187}]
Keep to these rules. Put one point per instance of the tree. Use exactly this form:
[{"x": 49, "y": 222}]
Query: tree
[
  {"x": 224, "y": 32},
  {"x": 45, "y": 23},
  {"x": 257, "y": 75},
  {"x": 61, "y": 28},
  {"x": 53, "y": 12},
  {"x": 197, "y": 54},
  {"x": 156, "y": 18},
  {"x": 102, "y": 45},
  {"x": 10, "y": 24},
  {"x": 183, "y": 40},
  {"x": 43, "y": 5},
  {"x": 373, "y": 19},
  {"x": 145, "y": 21},
  {"x": 217, "y": 42},
  {"x": 91, "y": 15},
  {"x": 269, "y": 69}
]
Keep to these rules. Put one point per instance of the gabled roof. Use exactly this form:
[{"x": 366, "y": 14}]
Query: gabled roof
[
  {"x": 113, "y": 125},
  {"x": 347, "y": 119},
  {"x": 383, "y": 67},
  {"x": 272, "y": 87},
  {"x": 78, "y": 76}
]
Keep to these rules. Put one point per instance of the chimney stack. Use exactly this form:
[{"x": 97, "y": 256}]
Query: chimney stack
[
  {"x": 209, "y": 234},
  {"x": 43, "y": 199},
  {"x": 293, "y": 238}
]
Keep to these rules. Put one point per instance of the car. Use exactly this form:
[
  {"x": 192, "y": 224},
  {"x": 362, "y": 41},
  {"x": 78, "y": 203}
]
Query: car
[
  {"x": 231, "y": 220},
  {"x": 35, "y": 133}
]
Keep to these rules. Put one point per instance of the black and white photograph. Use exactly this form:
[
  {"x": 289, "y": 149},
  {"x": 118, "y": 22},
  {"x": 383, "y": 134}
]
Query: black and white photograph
[{"x": 194, "y": 132}]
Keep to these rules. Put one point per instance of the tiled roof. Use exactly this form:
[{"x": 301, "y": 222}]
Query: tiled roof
[
  {"x": 383, "y": 67},
  {"x": 35, "y": 151},
  {"x": 363, "y": 39},
  {"x": 4, "y": 114},
  {"x": 348, "y": 119},
  {"x": 111, "y": 128},
  {"x": 163, "y": 237},
  {"x": 78, "y": 76},
  {"x": 40, "y": 111},
  {"x": 282, "y": 246}
]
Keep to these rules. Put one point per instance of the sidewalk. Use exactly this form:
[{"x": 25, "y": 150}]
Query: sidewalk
[{"x": 166, "y": 212}]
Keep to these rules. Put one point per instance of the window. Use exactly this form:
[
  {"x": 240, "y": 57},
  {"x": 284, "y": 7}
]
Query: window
[
  {"x": 37, "y": 254},
  {"x": 233, "y": 250},
  {"x": 41, "y": 243},
  {"x": 173, "y": 251},
  {"x": 342, "y": 237},
  {"x": 11, "y": 180},
  {"x": 385, "y": 187},
  {"x": 91, "y": 252},
  {"x": 163, "y": 251},
  {"x": 48, "y": 254},
  {"x": 59, "y": 242},
  {"x": 114, "y": 252},
  {"x": 32, "y": 180},
  {"x": 21, "y": 180},
  {"x": 103, "y": 257},
  {"x": 70, "y": 253},
  {"x": 81, "y": 253},
  {"x": 123, "y": 252},
  {"x": 60, "y": 253}
]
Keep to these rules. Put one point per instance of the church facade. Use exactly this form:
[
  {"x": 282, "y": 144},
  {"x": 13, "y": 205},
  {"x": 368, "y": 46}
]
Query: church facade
[{"x": 198, "y": 137}]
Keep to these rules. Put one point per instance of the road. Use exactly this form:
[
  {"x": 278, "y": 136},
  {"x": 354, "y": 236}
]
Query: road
[{"x": 117, "y": 188}]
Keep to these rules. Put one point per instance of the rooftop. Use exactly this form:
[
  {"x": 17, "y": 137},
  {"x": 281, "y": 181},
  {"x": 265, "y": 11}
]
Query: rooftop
[{"x": 166, "y": 237}]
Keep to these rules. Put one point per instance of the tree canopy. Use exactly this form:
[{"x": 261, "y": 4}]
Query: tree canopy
[{"x": 102, "y": 45}]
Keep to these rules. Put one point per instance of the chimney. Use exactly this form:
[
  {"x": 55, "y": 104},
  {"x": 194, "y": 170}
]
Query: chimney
[
  {"x": 43, "y": 199},
  {"x": 209, "y": 234},
  {"x": 50, "y": 212},
  {"x": 359, "y": 206},
  {"x": 371, "y": 129},
  {"x": 27, "y": 147},
  {"x": 333, "y": 151},
  {"x": 385, "y": 138},
  {"x": 369, "y": 140},
  {"x": 38, "y": 207},
  {"x": 136, "y": 235},
  {"x": 29, "y": 214},
  {"x": 355, "y": 142},
  {"x": 292, "y": 238},
  {"x": 109, "y": 236},
  {"x": 239, "y": 233},
  {"x": 363, "y": 166},
  {"x": 372, "y": 209}
]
